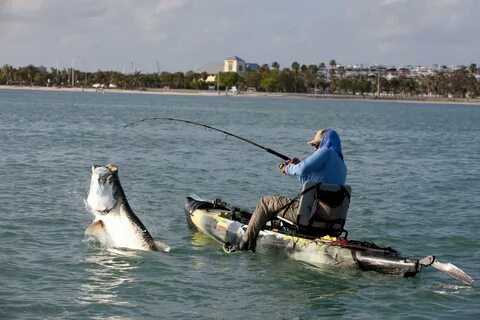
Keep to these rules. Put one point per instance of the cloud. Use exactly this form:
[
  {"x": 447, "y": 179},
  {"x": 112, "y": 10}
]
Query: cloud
[
  {"x": 19, "y": 7},
  {"x": 169, "y": 5},
  {"x": 185, "y": 34},
  {"x": 391, "y": 2}
]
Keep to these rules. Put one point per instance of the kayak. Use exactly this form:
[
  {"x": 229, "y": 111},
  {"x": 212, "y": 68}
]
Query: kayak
[{"x": 226, "y": 224}]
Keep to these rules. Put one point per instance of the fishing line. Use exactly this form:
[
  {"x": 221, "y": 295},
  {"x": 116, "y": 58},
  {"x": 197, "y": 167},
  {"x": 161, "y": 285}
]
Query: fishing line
[{"x": 271, "y": 151}]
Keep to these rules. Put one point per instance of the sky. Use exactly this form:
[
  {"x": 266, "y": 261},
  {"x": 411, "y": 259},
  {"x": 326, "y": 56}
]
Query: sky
[{"x": 181, "y": 35}]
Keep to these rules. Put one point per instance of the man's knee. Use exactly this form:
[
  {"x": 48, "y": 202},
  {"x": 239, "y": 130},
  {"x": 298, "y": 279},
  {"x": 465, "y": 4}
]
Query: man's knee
[
  {"x": 270, "y": 201},
  {"x": 267, "y": 199}
]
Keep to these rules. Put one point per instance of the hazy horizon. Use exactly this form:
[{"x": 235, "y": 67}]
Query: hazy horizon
[{"x": 181, "y": 35}]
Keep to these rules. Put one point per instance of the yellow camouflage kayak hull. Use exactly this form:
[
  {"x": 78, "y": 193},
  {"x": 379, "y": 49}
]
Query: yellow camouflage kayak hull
[{"x": 217, "y": 222}]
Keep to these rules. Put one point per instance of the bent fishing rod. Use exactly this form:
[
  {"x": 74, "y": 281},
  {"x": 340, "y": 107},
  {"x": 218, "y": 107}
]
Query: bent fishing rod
[{"x": 275, "y": 153}]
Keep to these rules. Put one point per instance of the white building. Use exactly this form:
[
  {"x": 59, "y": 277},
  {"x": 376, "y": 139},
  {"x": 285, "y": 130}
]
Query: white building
[
  {"x": 234, "y": 64},
  {"x": 211, "y": 78}
]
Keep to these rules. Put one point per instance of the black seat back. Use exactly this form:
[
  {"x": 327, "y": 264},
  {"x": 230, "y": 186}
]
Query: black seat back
[{"x": 323, "y": 208}]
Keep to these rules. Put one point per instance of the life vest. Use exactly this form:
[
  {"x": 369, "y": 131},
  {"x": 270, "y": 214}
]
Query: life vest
[{"x": 323, "y": 208}]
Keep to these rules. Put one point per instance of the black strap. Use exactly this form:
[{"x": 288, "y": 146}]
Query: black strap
[
  {"x": 330, "y": 224},
  {"x": 342, "y": 188},
  {"x": 286, "y": 206}
]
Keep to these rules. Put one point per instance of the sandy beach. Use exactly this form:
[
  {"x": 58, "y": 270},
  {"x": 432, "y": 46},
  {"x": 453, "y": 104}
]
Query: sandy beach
[{"x": 212, "y": 93}]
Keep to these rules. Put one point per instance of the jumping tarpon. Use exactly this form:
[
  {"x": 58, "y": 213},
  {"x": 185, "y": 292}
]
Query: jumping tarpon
[{"x": 115, "y": 224}]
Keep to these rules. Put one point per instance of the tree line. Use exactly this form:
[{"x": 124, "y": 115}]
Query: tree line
[{"x": 297, "y": 78}]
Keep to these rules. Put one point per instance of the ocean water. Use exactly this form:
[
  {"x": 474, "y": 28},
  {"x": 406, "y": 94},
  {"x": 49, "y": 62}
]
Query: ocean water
[{"x": 414, "y": 170}]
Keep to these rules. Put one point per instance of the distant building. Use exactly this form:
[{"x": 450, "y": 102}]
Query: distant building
[
  {"x": 211, "y": 78},
  {"x": 234, "y": 64},
  {"x": 252, "y": 66},
  {"x": 238, "y": 65},
  {"x": 390, "y": 76},
  {"x": 404, "y": 72}
]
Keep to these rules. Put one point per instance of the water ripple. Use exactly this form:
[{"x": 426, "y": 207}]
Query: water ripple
[{"x": 415, "y": 187}]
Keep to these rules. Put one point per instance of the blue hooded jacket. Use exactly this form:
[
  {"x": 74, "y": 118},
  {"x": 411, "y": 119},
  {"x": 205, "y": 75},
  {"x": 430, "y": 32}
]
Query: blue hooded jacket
[{"x": 324, "y": 165}]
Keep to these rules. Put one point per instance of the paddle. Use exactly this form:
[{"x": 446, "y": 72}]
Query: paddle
[{"x": 275, "y": 153}]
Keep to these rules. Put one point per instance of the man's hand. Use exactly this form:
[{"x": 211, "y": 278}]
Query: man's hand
[
  {"x": 294, "y": 161},
  {"x": 283, "y": 166}
]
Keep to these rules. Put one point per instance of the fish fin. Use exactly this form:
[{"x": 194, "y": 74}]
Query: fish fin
[
  {"x": 162, "y": 246},
  {"x": 112, "y": 167}
]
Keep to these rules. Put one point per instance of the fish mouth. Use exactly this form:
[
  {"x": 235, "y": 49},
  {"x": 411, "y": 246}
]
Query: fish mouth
[{"x": 102, "y": 195}]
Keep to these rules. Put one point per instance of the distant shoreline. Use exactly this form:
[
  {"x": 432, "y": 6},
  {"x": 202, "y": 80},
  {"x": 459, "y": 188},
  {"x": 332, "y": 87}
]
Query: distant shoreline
[{"x": 208, "y": 93}]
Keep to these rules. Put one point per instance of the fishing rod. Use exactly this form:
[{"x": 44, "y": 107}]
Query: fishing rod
[{"x": 275, "y": 153}]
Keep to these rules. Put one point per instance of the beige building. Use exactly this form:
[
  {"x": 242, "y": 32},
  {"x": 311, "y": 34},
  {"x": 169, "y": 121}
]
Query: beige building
[{"x": 234, "y": 64}]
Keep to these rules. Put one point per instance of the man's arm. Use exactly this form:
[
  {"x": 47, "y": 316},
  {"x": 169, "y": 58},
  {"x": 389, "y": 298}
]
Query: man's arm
[{"x": 314, "y": 161}]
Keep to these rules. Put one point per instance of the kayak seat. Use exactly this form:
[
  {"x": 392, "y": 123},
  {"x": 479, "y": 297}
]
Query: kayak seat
[{"x": 323, "y": 209}]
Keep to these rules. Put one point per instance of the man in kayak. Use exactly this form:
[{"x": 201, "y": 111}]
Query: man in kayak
[{"x": 324, "y": 165}]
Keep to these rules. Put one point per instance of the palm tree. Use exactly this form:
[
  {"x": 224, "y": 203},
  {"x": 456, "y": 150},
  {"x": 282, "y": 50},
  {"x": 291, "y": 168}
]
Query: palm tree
[
  {"x": 333, "y": 66},
  {"x": 295, "y": 68},
  {"x": 264, "y": 68},
  {"x": 313, "y": 68},
  {"x": 8, "y": 72},
  {"x": 473, "y": 68},
  {"x": 313, "y": 73},
  {"x": 275, "y": 65}
]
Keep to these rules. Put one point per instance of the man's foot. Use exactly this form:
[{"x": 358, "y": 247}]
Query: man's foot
[
  {"x": 241, "y": 246},
  {"x": 229, "y": 248}
]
